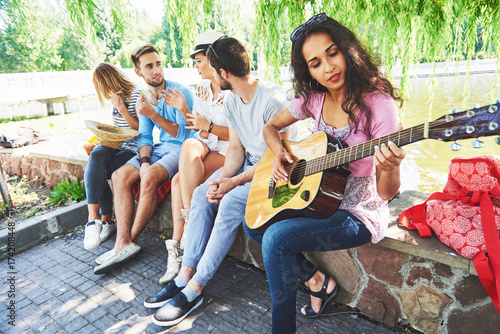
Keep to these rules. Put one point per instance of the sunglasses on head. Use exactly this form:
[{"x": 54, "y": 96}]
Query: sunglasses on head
[
  {"x": 211, "y": 47},
  {"x": 318, "y": 18}
]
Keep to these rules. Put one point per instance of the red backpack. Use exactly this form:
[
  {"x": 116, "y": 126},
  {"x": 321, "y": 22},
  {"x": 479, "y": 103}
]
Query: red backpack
[{"x": 466, "y": 217}]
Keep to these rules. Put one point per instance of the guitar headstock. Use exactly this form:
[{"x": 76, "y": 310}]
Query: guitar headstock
[{"x": 477, "y": 122}]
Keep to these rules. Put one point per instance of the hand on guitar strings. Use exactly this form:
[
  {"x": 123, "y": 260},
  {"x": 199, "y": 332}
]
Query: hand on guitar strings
[
  {"x": 388, "y": 157},
  {"x": 279, "y": 172},
  {"x": 218, "y": 188}
]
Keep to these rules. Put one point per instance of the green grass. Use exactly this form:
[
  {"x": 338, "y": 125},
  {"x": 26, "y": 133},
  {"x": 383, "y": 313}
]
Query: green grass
[{"x": 18, "y": 119}]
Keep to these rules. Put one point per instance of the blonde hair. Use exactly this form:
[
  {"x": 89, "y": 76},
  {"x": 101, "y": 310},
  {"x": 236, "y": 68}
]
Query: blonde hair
[{"x": 108, "y": 80}]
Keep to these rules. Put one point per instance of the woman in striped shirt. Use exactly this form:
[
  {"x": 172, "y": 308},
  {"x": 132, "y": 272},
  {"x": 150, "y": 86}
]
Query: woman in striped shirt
[{"x": 110, "y": 84}]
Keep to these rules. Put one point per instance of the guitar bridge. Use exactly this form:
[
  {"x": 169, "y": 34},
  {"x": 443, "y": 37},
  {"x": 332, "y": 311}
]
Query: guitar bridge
[{"x": 272, "y": 186}]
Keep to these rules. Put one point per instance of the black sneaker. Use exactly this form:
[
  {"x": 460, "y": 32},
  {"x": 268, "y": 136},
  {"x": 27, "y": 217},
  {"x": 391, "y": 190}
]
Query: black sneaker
[
  {"x": 162, "y": 297},
  {"x": 176, "y": 310}
]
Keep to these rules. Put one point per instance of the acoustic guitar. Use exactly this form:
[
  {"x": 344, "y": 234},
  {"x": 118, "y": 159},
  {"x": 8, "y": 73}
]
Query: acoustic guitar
[{"x": 317, "y": 177}]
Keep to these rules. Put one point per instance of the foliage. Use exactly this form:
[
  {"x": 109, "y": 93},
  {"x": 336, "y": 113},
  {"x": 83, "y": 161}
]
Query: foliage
[
  {"x": 67, "y": 190},
  {"x": 164, "y": 39},
  {"x": 49, "y": 36},
  {"x": 403, "y": 31},
  {"x": 409, "y": 31},
  {"x": 18, "y": 119}
]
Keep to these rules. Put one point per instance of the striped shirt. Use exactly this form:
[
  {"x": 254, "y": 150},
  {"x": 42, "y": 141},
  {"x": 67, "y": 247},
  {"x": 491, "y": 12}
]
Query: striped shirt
[{"x": 120, "y": 121}]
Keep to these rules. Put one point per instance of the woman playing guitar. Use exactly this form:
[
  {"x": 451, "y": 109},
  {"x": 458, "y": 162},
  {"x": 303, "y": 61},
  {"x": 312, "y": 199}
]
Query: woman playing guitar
[{"x": 336, "y": 83}]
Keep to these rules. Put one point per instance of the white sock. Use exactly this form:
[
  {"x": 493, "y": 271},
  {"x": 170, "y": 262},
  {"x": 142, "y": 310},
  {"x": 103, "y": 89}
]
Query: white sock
[{"x": 190, "y": 294}]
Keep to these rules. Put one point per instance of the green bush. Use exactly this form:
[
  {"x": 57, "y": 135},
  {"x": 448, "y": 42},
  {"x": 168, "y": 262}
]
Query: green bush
[{"x": 67, "y": 190}]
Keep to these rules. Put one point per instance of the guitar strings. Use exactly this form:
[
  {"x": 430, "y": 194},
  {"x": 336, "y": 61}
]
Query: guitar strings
[{"x": 319, "y": 163}]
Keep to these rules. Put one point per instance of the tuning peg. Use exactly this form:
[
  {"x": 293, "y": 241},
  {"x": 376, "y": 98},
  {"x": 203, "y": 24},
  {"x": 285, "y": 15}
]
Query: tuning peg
[
  {"x": 455, "y": 146},
  {"x": 477, "y": 143},
  {"x": 498, "y": 140}
]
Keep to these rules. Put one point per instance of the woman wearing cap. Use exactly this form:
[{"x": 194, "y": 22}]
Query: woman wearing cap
[
  {"x": 340, "y": 87},
  {"x": 111, "y": 84},
  {"x": 200, "y": 156}
]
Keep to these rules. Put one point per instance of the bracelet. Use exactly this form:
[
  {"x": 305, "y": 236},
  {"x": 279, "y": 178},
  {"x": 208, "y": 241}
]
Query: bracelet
[
  {"x": 210, "y": 127},
  {"x": 144, "y": 159}
]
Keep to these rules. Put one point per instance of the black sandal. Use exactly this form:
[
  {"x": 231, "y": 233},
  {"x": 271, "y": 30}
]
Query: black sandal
[{"x": 326, "y": 299}]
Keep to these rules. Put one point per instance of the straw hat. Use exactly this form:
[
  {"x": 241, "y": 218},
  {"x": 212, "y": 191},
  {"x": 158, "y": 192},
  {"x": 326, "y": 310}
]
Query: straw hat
[
  {"x": 110, "y": 135},
  {"x": 204, "y": 40}
]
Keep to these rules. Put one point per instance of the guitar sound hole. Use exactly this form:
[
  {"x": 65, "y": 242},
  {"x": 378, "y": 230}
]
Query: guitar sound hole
[{"x": 298, "y": 172}]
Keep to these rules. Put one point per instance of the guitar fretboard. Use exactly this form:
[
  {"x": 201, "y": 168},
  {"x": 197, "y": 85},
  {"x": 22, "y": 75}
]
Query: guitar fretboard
[
  {"x": 366, "y": 149},
  {"x": 480, "y": 121}
]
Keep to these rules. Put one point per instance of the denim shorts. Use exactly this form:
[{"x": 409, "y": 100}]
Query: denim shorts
[{"x": 165, "y": 154}]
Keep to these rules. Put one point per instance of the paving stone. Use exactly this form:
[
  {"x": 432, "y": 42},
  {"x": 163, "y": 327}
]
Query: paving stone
[
  {"x": 88, "y": 329},
  {"x": 43, "y": 298},
  {"x": 60, "y": 289},
  {"x": 237, "y": 299},
  {"x": 65, "y": 317},
  {"x": 304, "y": 329},
  {"x": 256, "y": 326},
  {"x": 76, "y": 324},
  {"x": 20, "y": 327},
  {"x": 105, "y": 322},
  {"x": 118, "y": 307},
  {"x": 23, "y": 303}
]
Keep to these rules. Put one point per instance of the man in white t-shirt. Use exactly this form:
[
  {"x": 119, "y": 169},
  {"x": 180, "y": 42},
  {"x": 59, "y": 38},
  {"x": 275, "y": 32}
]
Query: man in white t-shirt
[{"x": 218, "y": 205}]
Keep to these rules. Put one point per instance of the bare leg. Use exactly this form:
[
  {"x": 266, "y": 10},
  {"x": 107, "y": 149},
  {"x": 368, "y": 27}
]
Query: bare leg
[
  {"x": 186, "y": 273},
  {"x": 93, "y": 211},
  {"x": 315, "y": 283},
  {"x": 175, "y": 191},
  {"x": 154, "y": 176},
  {"x": 191, "y": 168},
  {"x": 212, "y": 162},
  {"x": 123, "y": 179},
  {"x": 107, "y": 219}
]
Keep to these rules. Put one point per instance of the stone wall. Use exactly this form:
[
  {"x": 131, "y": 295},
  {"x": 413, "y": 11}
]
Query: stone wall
[
  {"x": 395, "y": 287},
  {"x": 42, "y": 170}
]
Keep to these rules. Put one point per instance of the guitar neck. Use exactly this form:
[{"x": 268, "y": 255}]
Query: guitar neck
[{"x": 366, "y": 149}]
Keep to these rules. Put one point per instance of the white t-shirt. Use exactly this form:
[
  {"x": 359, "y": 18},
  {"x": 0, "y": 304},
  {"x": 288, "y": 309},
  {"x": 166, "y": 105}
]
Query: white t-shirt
[{"x": 249, "y": 119}]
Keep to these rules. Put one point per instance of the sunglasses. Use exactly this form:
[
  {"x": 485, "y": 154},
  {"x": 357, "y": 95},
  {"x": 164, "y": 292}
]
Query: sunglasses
[
  {"x": 318, "y": 18},
  {"x": 211, "y": 47}
]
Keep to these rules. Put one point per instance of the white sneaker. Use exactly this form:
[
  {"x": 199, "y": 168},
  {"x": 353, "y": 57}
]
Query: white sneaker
[
  {"x": 92, "y": 231},
  {"x": 174, "y": 261},
  {"x": 107, "y": 230},
  {"x": 117, "y": 259},
  {"x": 103, "y": 257}
]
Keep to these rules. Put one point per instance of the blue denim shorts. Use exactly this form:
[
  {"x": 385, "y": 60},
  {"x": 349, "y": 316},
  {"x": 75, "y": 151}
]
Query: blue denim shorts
[{"x": 165, "y": 154}]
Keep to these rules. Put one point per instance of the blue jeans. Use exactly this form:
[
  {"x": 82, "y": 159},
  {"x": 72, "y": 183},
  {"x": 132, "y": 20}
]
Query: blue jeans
[
  {"x": 102, "y": 163},
  {"x": 282, "y": 247},
  {"x": 212, "y": 228}
]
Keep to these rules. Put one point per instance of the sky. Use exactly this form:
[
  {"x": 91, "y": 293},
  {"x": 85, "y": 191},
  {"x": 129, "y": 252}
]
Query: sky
[{"x": 154, "y": 8}]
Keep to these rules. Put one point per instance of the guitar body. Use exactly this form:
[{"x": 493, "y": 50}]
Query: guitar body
[
  {"x": 317, "y": 178},
  {"x": 317, "y": 195}
]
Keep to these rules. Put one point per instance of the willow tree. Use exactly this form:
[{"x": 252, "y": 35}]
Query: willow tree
[{"x": 409, "y": 31}]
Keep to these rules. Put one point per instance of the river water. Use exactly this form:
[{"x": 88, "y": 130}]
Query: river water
[{"x": 426, "y": 165}]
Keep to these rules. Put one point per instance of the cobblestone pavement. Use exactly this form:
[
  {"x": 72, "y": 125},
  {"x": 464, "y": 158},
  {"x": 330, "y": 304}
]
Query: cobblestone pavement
[{"x": 56, "y": 291}]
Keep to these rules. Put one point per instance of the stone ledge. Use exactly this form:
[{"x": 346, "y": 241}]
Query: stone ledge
[{"x": 42, "y": 228}]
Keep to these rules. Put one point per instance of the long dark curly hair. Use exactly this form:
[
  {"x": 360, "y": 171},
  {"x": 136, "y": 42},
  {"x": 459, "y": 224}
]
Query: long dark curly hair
[{"x": 362, "y": 74}]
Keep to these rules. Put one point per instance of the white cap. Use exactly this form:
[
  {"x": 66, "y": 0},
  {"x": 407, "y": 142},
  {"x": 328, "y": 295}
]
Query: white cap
[{"x": 204, "y": 40}]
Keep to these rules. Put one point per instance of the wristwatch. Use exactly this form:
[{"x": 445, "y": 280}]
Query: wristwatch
[
  {"x": 144, "y": 159},
  {"x": 210, "y": 127}
]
